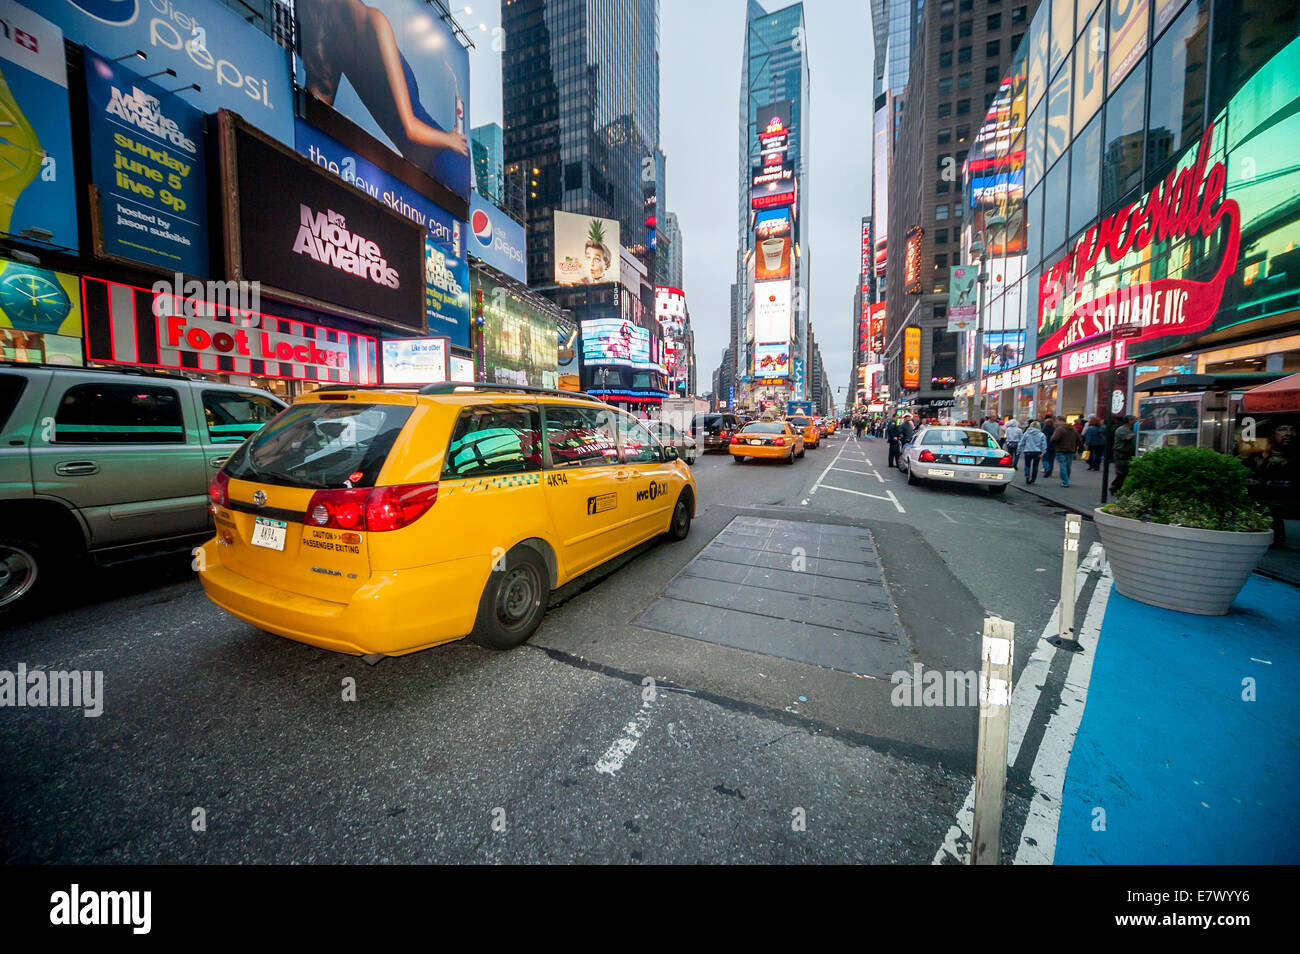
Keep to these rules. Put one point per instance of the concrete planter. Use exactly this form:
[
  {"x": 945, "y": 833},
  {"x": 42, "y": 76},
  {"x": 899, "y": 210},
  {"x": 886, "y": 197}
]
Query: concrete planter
[{"x": 1179, "y": 568}]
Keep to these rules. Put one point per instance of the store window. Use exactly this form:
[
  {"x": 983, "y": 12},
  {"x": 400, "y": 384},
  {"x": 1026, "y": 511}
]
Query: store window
[
  {"x": 119, "y": 414},
  {"x": 1058, "y": 115},
  {"x": 1121, "y": 170},
  {"x": 1089, "y": 67},
  {"x": 1247, "y": 34},
  {"x": 231, "y": 416},
  {"x": 1085, "y": 171},
  {"x": 494, "y": 440},
  {"x": 1177, "y": 88},
  {"x": 1056, "y": 197},
  {"x": 1062, "y": 34}
]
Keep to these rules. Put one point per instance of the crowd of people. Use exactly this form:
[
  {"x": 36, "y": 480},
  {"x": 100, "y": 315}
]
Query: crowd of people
[{"x": 1048, "y": 445}]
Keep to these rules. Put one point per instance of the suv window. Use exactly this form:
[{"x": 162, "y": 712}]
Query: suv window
[
  {"x": 11, "y": 389},
  {"x": 322, "y": 446},
  {"x": 639, "y": 447},
  {"x": 494, "y": 439},
  {"x": 119, "y": 414},
  {"x": 231, "y": 416},
  {"x": 581, "y": 436}
]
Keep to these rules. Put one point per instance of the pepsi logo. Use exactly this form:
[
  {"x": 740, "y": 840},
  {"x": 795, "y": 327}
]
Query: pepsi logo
[
  {"x": 112, "y": 12},
  {"x": 481, "y": 224}
]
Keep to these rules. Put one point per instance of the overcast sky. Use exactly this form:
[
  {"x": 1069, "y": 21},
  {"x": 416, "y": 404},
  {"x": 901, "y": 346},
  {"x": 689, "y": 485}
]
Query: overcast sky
[{"x": 700, "y": 46}]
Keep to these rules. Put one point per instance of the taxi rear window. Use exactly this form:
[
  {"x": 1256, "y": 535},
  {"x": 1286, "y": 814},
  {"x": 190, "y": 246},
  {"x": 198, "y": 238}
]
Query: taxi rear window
[
  {"x": 321, "y": 446},
  {"x": 764, "y": 428}
]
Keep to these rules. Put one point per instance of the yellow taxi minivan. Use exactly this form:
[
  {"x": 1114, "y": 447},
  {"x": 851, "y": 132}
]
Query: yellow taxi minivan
[{"x": 382, "y": 521}]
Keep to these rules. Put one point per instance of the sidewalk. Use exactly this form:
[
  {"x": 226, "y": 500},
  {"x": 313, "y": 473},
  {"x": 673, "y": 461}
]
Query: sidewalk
[
  {"x": 1188, "y": 750},
  {"x": 1084, "y": 495}
]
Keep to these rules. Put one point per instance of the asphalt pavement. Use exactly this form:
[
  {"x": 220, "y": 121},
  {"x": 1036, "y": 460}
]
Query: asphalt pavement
[{"x": 605, "y": 739}]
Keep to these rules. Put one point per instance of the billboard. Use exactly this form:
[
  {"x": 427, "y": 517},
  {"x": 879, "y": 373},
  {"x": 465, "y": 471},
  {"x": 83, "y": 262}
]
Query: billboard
[
  {"x": 877, "y": 317},
  {"x": 963, "y": 305},
  {"x": 462, "y": 369},
  {"x": 403, "y": 78},
  {"x": 912, "y": 261},
  {"x": 911, "y": 358},
  {"x": 497, "y": 239},
  {"x": 772, "y": 312},
  {"x": 415, "y": 360},
  {"x": 771, "y": 187},
  {"x": 1003, "y": 350},
  {"x": 321, "y": 239},
  {"x": 613, "y": 341},
  {"x": 446, "y": 293},
  {"x": 233, "y": 64},
  {"x": 40, "y": 315},
  {"x": 146, "y": 158},
  {"x": 586, "y": 249},
  {"x": 139, "y": 326},
  {"x": 772, "y": 360},
  {"x": 37, "y": 187},
  {"x": 774, "y": 247},
  {"x": 519, "y": 340}
]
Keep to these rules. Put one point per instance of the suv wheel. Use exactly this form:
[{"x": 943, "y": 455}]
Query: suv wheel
[
  {"x": 21, "y": 576},
  {"x": 513, "y": 601}
]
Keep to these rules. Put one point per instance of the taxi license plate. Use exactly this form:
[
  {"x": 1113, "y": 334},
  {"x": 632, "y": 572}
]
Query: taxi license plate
[
  {"x": 269, "y": 533},
  {"x": 940, "y": 473},
  {"x": 965, "y": 460},
  {"x": 756, "y": 442}
]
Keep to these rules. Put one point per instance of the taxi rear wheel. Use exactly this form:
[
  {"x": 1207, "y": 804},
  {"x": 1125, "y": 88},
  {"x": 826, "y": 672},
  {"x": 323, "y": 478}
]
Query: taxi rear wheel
[
  {"x": 513, "y": 601},
  {"x": 736, "y": 458}
]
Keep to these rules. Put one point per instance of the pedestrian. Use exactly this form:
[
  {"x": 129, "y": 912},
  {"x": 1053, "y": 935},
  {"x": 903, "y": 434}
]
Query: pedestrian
[
  {"x": 892, "y": 433},
  {"x": 993, "y": 428},
  {"x": 1065, "y": 442},
  {"x": 906, "y": 430},
  {"x": 1049, "y": 455},
  {"x": 1013, "y": 434},
  {"x": 1032, "y": 445},
  {"x": 1094, "y": 441},
  {"x": 1122, "y": 451}
]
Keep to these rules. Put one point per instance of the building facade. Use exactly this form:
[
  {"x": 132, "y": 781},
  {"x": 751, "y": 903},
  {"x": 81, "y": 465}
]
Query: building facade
[{"x": 1155, "y": 216}]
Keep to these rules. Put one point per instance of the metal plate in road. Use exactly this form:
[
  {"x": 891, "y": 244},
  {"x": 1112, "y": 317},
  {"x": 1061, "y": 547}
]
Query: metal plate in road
[{"x": 801, "y": 590}]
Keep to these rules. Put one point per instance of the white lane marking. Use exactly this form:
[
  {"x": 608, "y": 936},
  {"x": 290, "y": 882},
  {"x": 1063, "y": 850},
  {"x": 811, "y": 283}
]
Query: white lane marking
[
  {"x": 1024, "y": 699},
  {"x": 1038, "y": 840},
  {"x": 617, "y": 753},
  {"x": 827, "y": 470},
  {"x": 897, "y": 505},
  {"x": 864, "y": 473},
  {"x": 889, "y": 498}
]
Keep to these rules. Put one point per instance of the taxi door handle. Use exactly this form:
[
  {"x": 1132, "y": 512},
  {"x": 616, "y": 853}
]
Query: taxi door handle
[{"x": 76, "y": 468}]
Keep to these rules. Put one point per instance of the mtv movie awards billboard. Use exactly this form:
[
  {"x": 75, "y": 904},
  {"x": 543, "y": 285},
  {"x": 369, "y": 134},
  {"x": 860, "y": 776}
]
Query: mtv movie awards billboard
[
  {"x": 235, "y": 65},
  {"x": 497, "y": 239},
  {"x": 146, "y": 152},
  {"x": 37, "y": 189}
]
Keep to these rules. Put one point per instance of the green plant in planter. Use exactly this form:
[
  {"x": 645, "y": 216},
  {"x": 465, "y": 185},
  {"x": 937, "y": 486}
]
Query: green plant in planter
[{"x": 1190, "y": 487}]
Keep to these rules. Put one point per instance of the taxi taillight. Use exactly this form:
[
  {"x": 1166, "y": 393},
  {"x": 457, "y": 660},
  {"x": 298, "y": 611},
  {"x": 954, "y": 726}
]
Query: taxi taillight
[
  {"x": 735, "y": 439},
  {"x": 374, "y": 509},
  {"x": 219, "y": 490},
  {"x": 779, "y": 442}
]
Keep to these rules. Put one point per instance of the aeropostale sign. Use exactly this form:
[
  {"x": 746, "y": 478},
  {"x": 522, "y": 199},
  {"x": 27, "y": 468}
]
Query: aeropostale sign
[{"x": 1189, "y": 203}]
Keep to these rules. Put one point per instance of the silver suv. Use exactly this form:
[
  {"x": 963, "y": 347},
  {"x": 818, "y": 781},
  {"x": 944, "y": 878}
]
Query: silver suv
[{"x": 108, "y": 463}]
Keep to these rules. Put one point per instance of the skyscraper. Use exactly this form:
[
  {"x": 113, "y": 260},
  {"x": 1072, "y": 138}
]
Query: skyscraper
[
  {"x": 669, "y": 253},
  {"x": 487, "y": 148},
  {"x": 773, "y": 259},
  {"x": 580, "y": 80}
]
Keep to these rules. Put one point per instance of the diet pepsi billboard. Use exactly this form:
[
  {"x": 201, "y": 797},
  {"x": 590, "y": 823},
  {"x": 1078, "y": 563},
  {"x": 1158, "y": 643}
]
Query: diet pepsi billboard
[
  {"x": 496, "y": 239},
  {"x": 235, "y": 65}
]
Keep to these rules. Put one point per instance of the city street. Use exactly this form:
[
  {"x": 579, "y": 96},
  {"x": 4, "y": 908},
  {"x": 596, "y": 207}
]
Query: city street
[{"x": 766, "y": 735}]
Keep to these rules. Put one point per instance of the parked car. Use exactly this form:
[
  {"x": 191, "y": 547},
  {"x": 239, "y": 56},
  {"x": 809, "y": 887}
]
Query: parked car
[
  {"x": 377, "y": 521},
  {"x": 966, "y": 455},
  {"x": 712, "y": 431},
  {"x": 108, "y": 463}
]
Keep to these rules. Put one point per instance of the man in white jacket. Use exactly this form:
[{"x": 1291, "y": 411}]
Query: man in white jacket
[{"x": 1013, "y": 433}]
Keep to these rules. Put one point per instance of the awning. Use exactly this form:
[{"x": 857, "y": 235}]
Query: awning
[{"x": 1280, "y": 395}]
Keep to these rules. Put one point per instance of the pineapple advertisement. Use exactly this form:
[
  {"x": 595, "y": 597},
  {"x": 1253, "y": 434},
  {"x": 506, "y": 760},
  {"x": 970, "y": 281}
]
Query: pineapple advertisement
[{"x": 586, "y": 249}]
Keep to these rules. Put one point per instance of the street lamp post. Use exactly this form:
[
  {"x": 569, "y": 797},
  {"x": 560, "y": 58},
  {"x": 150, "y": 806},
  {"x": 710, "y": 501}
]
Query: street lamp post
[{"x": 979, "y": 246}]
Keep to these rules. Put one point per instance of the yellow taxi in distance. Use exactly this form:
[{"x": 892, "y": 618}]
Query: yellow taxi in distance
[
  {"x": 769, "y": 440},
  {"x": 381, "y": 521},
  {"x": 812, "y": 434}
]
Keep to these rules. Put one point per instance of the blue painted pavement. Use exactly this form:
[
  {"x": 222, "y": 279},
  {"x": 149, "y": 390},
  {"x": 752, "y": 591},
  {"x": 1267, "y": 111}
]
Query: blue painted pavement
[{"x": 1186, "y": 771}]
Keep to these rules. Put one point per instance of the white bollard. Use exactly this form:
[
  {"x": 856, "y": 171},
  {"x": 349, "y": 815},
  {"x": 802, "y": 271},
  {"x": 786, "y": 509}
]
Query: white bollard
[
  {"x": 996, "y": 655},
  {"x": 1069, "y": 568}
]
